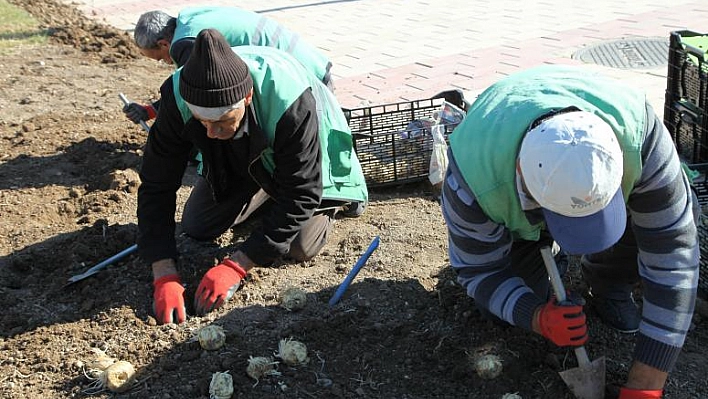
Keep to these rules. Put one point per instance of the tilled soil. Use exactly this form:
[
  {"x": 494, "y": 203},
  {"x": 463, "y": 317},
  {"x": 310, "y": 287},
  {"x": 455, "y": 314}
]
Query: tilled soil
[{"x": 68, "y": 187}]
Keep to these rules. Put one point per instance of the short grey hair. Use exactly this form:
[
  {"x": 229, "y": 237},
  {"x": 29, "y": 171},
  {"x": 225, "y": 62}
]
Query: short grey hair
[{"x": 153, "y": 26}]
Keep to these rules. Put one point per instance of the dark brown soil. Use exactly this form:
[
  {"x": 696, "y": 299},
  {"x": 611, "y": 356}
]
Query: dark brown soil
[{"x": 68, "y": 187}]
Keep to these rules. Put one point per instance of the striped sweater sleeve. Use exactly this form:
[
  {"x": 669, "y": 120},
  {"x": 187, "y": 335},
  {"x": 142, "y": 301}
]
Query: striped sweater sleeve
[
  {"x": 479, "y": 252},
  {"x": 662, "y": 211}
]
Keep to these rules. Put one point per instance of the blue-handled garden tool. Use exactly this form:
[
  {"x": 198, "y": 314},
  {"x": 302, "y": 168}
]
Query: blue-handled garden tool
[
  {"x": 100, "y": 266},
  {"x": 355, "y": 270}
]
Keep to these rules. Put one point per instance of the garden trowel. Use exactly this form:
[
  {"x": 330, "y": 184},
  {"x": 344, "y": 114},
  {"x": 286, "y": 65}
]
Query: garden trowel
[
  {"x": 587, "y": 381},
  {"x": 125, "y": 101}
]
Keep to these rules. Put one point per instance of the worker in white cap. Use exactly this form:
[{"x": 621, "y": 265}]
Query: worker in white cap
[{"x": 558, "y": 155}]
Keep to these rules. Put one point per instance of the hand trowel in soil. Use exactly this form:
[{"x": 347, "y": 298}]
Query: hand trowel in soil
[{"x": 587, "y": 381}]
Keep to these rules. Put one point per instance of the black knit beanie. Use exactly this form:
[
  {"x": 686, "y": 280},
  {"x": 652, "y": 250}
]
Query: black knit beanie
[{"x": 214, "y": 76}]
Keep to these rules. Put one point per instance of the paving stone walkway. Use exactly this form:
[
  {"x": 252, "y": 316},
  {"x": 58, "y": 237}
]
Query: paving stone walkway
[{"x": 396, "y": 50}]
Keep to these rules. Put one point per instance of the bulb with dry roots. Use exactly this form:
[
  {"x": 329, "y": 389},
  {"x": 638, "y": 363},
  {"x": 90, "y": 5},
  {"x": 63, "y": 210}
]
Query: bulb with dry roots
[
  {"x": 293, "y": 353},
  {"x": 118, "y": 377},
  {"x": 488, "y": 366},
  {"x": 293, "y": 298},
  {"x": 211, "y": 337},
  {"x": 261, "y": 366},
  {"x": 221, "y": 386},
  {"x": 95, "y": 367}
]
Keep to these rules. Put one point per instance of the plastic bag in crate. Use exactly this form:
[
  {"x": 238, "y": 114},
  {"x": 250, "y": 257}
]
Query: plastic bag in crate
[{"x": 448, "y": 115}]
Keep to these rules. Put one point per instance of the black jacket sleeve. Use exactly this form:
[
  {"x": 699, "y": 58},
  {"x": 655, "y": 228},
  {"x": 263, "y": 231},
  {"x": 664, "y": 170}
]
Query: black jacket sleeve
[
  {"x": 296, "y": 184},
  {"x": 164, "y": 161},
  {"x": 180, "y": 50}
]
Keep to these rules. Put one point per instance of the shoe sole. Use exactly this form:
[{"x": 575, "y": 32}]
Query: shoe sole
[{"x": 632, "y": 331}]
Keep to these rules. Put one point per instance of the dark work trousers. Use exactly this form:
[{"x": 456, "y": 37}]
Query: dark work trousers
[
  {"x": 614, "y": 272},
  {"x": 204, "y": 219},
  {"x": 527, "y": 263}
]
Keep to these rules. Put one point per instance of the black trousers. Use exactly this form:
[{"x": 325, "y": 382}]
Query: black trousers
[
  {"x": 204, "y": 219},
  {"x": 527, "y": 263},
  {"x": 614, "y": 272}
]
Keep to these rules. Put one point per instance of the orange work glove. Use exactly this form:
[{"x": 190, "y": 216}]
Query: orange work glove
[
  {"x": 627, "y": 393},
  {"x": 563, "y": 323},
  {"x": 168, "y": 300},
  {"x": 218, "y": 286}
]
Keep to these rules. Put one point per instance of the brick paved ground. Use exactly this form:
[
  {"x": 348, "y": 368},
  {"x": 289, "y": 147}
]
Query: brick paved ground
[{"x": 387, "y": 51}]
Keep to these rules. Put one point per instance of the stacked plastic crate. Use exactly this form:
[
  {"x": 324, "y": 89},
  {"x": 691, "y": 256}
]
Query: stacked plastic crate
[
  {"x": 686, "y": 117},
  {"x": 686, "y": 106}
]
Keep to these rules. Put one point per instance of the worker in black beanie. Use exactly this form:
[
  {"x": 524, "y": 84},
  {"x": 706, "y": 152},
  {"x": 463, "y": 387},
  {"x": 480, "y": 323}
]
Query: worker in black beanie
[{"x": 270, "y": 134}]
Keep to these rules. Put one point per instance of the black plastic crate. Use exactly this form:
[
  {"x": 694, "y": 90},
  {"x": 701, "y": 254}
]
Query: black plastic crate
[
  {"x": 686, "y": 99},
  {"x": 688, "y": 126},
  {"x": 393, "y": 141},
  {"x": 700, "y": 185},
  {"x": 687, "y": 77}
]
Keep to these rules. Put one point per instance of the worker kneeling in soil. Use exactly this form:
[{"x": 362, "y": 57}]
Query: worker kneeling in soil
[
  {"x": 560, "y": 154},
  {"x": 163, "y": 37},
  {"x": 270, "y": 133}
]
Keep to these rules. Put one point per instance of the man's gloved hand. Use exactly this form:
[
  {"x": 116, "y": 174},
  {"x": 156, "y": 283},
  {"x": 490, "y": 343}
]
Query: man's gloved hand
[
  {"x": 627, "y": 393},
  {"x": 168, "y": 300},
  {"x": 218, "y": 286},
  {"x": 136, "y": 112},
  {"x": 563, "y": 323}
]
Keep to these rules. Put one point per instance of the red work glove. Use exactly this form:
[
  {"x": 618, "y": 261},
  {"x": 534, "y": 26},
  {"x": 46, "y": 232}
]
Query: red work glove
[
  {"x": 136, "y": 112},
  {"x": 563, "y": 324},
  {"x": 168, "y": 301},
  {"x": 218, "y": 286},
  {"x": 627, "y": 393}
]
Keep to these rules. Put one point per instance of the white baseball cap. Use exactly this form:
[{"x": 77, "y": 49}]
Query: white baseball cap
[{"x": 572, "y": 166}]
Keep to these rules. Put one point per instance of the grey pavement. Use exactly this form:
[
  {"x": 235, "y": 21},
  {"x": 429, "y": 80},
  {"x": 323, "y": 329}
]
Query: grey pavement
[{"x": 387, "y": 51}]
